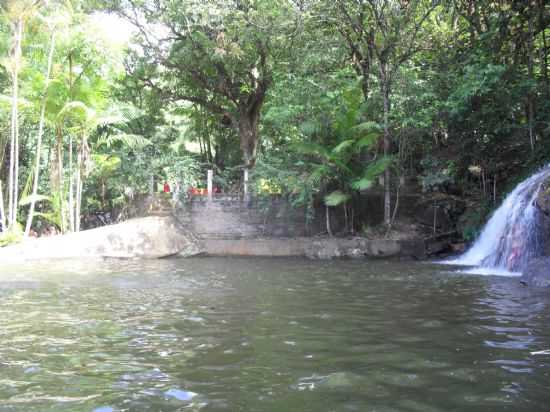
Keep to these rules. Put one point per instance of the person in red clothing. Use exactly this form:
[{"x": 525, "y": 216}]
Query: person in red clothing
[{"x": 166, "y": 188}]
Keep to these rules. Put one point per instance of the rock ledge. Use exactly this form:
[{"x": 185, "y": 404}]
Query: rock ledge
[{"x": 148, "y": 237}]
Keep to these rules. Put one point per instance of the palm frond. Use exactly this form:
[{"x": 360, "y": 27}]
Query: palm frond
[
  {"x": 368, "y": 140},
  {"x": 336, "y": 198},
  {"x": 342, "y": 146},
  {"x": 26, "y": 200},
  {"x": 313, "y": 149},
  {"x": 133, "y": 141},
  {"x": 373, "y": 170}
]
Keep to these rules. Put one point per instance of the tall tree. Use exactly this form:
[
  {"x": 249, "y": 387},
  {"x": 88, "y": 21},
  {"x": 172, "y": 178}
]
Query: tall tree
[
  {"x": 219, "y": 55},
  {"x": 40, "y": 136},
  {"x": 17, "y": 12},
  {"x": 384, "y": 34}
]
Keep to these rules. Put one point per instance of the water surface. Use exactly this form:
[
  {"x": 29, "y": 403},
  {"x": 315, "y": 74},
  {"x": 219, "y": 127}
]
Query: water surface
[{"x": 232, "y": 334}]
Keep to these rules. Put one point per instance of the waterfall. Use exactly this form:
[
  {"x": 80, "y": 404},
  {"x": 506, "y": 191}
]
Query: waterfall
[{"x": 513, "y": 235}]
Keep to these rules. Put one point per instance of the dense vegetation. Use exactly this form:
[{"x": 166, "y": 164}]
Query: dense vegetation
[{"x": 318, "y": 98}]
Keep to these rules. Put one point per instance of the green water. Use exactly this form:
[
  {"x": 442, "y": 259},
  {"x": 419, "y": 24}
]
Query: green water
[{"x": 221, "y": 334}]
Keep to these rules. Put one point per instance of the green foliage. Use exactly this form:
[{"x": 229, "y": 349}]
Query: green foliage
[
  {"x": 12, "y": 236},
  {"x": 375, "y": 168},
  {"x": 337, "y": 198},
  {"x": 467, "y": 87},
  {"x": 437, "y": 175},
  {"x": 477, "y": 80},
  {"x": 26, "y": 200}
]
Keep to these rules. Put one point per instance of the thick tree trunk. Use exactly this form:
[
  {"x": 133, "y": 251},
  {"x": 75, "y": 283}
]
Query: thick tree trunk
[
  {"x": 209, "y": 149},
  {"x": 248, "y": 133},
  {"x": 39, "y": 138},
  {"x": 385, "y": 86},
  {"x": 364, "y": 69}
]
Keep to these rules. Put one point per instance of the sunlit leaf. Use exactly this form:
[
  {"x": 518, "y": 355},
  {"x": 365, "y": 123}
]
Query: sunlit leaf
[{"x": 336, "y": 198}]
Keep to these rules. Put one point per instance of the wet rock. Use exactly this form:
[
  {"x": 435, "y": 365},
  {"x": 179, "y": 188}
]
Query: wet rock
[
  {"x": 537, "y": 273},
  {"x": 543, "y": 198},
  {"x": 324, "y": 249},
  {"x": 459, "y": 247},
  {"x": 179, "y": 394},
  {"x": 542, "y": 202},
  {"x": 443, "y": 210},
  {"x": 333, "y": 381},
  {"x": 339, "y": 380},
  {"x": 333, "y": 248}
]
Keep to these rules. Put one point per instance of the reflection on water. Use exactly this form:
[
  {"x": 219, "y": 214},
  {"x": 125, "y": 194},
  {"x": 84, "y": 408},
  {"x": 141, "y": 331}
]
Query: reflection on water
[{"x": 222, "y": 334}]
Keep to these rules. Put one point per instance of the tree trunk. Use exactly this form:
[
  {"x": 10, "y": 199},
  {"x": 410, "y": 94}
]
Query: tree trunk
[
  {"x": 200, "y": 146},
  {"x": 39, "y": 139},
  {"x": 57, "y": 180},
  {"x": 209, "y": 155},
  {"x": 2, "y": 210},
  {"x": 248, "y": 133},
  {"x": 385, "y": 86},
  {"x": 327, "y": 214},
  {"x": 530, "y": 96},
  {"x": 14, "y": 143},
  {"x": 544, "y": 48},
  {"x": 71, "y": 187},
  {"x": 346, "y": 223},
  {"x": 352, "y": 220},
  {"x": 76, "y": 216},
  {"x": 103, "y": 194}
]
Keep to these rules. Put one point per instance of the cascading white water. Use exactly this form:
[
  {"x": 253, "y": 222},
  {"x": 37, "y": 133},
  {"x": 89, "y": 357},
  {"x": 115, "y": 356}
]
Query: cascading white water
[{"x": 512, "y": 236}]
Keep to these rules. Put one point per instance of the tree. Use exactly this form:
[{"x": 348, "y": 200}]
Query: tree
[
  {"x": 17, "y": 12},
  {"x": 39, "y": 137},
  {"x": 386, "y": 33},
  {"x": 220, "y": 56}
]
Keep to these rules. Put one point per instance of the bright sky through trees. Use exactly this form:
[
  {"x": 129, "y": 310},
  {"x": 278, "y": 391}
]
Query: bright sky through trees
[{"x": 116, "y": 31}]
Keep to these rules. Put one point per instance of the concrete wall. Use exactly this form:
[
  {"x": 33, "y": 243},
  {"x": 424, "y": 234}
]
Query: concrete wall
[
  {"x": 231, "y": 218},
  {"x": 230, "y": 227},
  {"x": 316, "y": 248},
  {"x": 234, "y": 219}
]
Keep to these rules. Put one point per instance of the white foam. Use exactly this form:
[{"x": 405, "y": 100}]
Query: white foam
[{"x": 478, "y": 270}]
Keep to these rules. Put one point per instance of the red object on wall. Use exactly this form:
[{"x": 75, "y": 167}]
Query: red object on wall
[{"x": 166, "y": 188}]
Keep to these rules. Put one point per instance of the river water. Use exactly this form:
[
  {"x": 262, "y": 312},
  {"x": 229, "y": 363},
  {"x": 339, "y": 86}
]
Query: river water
[{"x": 232, "y": 334}]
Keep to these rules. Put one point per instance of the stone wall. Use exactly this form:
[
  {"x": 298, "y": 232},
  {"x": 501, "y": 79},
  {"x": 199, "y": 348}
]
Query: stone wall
[
  {"x": 317, "y": 248},
  {"x": 229, "y": 226},
  {"x": 229, "y": 217},
  {"x": 233, "y": 219}
]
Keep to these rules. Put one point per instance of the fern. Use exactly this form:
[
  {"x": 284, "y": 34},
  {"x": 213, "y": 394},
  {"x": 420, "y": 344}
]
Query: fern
[{"x": 336, "y": 198}]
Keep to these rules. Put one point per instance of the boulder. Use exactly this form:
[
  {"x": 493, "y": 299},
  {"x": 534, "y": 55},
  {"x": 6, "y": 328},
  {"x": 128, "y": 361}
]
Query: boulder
[
  {"x": 537, "y": 273},
  {"x": 543, "y": 198},
  {"x": 332, "y": 248},
  {"x": 148, "y": 237},
  {"x": 542, "y": 202}
]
